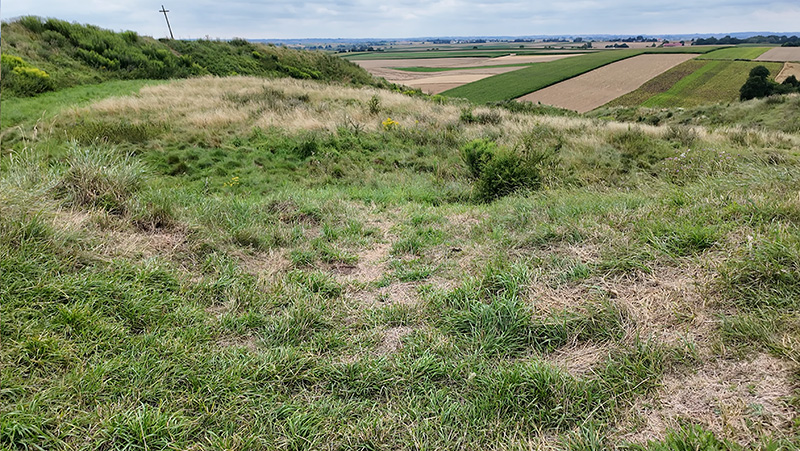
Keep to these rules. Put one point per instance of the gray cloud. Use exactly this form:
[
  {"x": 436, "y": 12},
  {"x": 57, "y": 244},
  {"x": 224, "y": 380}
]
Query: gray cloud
[{"x": 411, "y": 18}]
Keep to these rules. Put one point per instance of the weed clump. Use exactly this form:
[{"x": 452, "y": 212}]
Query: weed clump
[
  {"x": 99, "y": 177},
  {"x": 499, "y": 172}
]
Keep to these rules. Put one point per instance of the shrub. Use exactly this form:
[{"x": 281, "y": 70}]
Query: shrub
[
  {"x": 505, "y": 173},
  {"x": 22, "y": 79},
  {"x": 499, "y": 172},
  {"x": 476, "y": 154}
]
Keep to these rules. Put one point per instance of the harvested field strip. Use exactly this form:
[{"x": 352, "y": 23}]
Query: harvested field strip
[
  {"x": 452, "y": 54},
  {"x": 781, "y": 54},
  {"x": 658, "y": 85},
  {"x": 717, "y": 81},
  {"x": 594, "y": 89},
  {"x": 524, "y": 81},
  {"x": 735, "y": 53},
  {"x": 788, "y": 70},
  {"x": 447, "y": 69}
]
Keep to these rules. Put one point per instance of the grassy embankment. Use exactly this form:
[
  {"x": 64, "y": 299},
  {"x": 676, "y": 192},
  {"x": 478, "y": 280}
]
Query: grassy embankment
[
  {"x": 515, "y": 84},
  {"x": 58, "y": 54},
  {"x": 259, "y": 264}
]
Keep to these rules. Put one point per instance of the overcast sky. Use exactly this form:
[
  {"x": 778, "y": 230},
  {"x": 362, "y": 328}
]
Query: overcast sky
[{"x": 284, "y": 19}]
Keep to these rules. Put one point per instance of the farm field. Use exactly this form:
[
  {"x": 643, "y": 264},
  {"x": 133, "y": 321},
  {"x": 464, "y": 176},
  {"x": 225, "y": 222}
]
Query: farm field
[
  {"x": 596, "y": 88},
  {"x": 733, "y": 53},
  {"x": 524, "y": 81},
  {"x": 453, "y": 54},
  {"x": 433, "y": 81},
  {"x": 716, "y": 81},
  {"x": 788, "y": 70},
  {"x": 658, "y": 84},
  {"x": 443, "y": 81},
  {"x": 781, "y": 54}
]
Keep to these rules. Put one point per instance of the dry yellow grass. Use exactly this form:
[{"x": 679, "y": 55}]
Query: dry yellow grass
[
  {"x": 211, "y": 108},
  {"x": 788, "y": 70}
]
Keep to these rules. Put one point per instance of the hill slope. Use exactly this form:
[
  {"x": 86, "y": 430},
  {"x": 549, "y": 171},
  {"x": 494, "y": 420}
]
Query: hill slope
[
  {"x": 71, "y": 54},
  {"x": 249, "y": 263}
]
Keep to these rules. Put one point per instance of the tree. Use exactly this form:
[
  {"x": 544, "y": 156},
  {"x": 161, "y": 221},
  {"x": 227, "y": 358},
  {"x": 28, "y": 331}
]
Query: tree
[
  {"x": 759, "y": 71},
  {"x": 755, "y": 87}
]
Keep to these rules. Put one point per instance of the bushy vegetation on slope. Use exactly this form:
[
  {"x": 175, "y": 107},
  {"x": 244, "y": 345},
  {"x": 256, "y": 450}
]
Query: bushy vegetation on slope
[{"x": 70, "y": 54}]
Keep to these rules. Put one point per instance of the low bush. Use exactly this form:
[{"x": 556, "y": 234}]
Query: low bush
[{"x": 499, "y": 172}]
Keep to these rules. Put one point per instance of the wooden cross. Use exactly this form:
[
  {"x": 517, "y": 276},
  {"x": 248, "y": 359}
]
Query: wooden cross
[{"x": 165, "y": 11}]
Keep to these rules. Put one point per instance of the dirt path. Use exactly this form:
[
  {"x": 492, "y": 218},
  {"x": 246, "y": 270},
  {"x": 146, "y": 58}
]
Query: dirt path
[{"x": 598, "y": 87}]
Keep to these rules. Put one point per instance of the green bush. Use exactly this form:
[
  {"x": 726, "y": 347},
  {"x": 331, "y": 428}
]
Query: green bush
[
  {"x": 476, "y": 154},
  {"x": 22, "y": 79},
  {"x": 499, "y": 172}
]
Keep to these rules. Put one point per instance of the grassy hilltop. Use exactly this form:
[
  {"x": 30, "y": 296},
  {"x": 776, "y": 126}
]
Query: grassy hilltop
[{"x": 278, "y": 263}]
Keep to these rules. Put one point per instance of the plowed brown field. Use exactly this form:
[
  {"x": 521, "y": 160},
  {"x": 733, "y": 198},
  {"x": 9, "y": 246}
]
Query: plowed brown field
[
  {"x": 600, "y": 86},
  {"x": 781, "y": 54}
]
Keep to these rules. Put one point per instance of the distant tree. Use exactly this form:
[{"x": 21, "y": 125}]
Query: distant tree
[
  {"x": 756, "y": 85},
  {"x": 792, "y": 81},
  {"x": 759, "y": 71}
]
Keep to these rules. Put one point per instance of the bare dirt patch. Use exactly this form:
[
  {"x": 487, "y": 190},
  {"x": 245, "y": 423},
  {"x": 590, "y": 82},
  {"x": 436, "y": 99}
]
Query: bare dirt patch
[
  {"x": 788, "y": 70},
  {"x": 781, "y": 54},
  {"x": 250, "y": 343},
  {"x": 738, "y": 400},
  {"x": 667, "y": 304},
  {"x": 579, "y": 359},
  {"x": 600, "y": 86},
  {"x": 392, "y": 339}
]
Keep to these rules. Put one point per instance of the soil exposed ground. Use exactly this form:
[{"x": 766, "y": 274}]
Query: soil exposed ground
[
  {"x": 781, "y": 54},
  {"x": 598, "y": 87},
  {"x": 436, "y": 82},
  {"x": 788, "y": 70}
]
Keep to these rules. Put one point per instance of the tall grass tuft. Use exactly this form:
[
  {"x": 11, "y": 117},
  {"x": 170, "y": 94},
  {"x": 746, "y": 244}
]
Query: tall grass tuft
[{"x": 100, "y": 177}]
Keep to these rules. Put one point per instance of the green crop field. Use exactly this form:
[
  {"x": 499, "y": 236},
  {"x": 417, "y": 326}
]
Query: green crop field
[
  {"x": 735, "y": 53},
  {"x": 716, "y": 81}
]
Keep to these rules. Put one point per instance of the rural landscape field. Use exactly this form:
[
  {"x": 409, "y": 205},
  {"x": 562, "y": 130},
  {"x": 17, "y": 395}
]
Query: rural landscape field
[{"x": 227, "y": 245}]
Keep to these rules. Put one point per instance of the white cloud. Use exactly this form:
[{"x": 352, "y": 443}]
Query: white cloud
[{"x": 410, "y": 18}]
